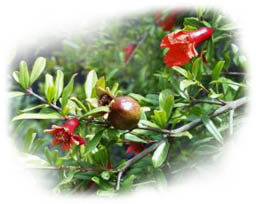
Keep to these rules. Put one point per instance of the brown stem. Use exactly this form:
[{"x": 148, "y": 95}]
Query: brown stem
[{"x": 31, "y": 92}]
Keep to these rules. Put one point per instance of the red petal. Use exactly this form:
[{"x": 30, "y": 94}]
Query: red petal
[
  {"x": 165, "y": 42},
  {"x": 129, "y": 149},
  {"x": 65, "y": 147},
  {"x": 55, "y": 141},
  {"x": 79, "y": 139},
  {"x": 71, "y": 124}
]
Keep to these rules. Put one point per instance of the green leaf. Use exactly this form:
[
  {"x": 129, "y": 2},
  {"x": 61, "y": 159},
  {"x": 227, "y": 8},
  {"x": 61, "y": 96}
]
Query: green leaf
[
  {"x": 90, "y": 83},
  {"x": 183, "y": 134},
  {"x": 210, "y": 50},
  {"x": 33, "y": 108},
  {"x": 217, "y": 70},
  {"x": 197, "y": 69},
  {"x": 24, "y": 75},
  {"x": 48, "y": 87},
  {"x": 166, "y": 101},
  {"x": 37, "y": 69},
  {"x": 16, "y": 76},
  {"x": 101, "y": 109},
  {"x": 212, "y": 128},
  {"x": 148, "y": 123},
  {"x": 227, "y": 27},
  {"x": 160, "y": 117},
  {"x": 67, "y": 92},
  {"x": 160, "y": 154},
  {"x": 13, "y": 94},
  {"x": 65, "y": 181},
  {"x": 101, "y": 83},
  {"x": 33, "y": 160},
  {"x": 105, "y": 175},
  {"x": 181, "y": 71},
  {"x": 29, "y": 139},
  {"x": 94, "y": 142},
  {"x": 79, "y": 103},
  {"x": 231, "y": 83},
  {"x": 59, "y": 83},
  {"x": 39, "y": 116},
  {"x": 186, "y": 83},
  {"x": 133, "y": 138},
  {"x": 192, "y": 21}
]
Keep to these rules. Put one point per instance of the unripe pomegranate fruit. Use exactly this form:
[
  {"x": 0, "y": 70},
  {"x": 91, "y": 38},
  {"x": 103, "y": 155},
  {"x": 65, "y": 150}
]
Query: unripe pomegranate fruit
[{"x": 124, "y": 113}]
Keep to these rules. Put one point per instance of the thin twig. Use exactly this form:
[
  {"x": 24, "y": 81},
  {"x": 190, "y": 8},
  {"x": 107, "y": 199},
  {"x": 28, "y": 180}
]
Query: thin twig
[
  {"x": 207, "y": 101},
  {"x": 31, "y": 92},
  {"x": 119, "y": 176},
  {"x": 138, "y": 45}
]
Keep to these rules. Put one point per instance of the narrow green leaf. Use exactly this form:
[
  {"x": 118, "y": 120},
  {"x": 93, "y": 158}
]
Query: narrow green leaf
[
  {"x": 186, "y": 83},
  {"x": 16, "y": 76},
  {"x": 192, "y": 21},
  {"x": 30, "y": 159},
  {"x": 67, "y": 92},
  {"x": 181, "y": 71},
  {"x": 212, "y": 128},
  {"x": 48, "y": 84},
  {"x": 79, "y": 103},
  {"x": 39, "y": 116},
  {"x": 166, "y": 101},
  {"x": 217, "y": 70},
  {"x": 210, "y": 50},
  {"x": 160, "y": 154},
  {"x": 160, "y": 118},
  {"x": 133, "y": 138},
  {"x": 183, "y": 134},
  {"x": 37, "y": 69},
  {"x": 227, "y": 27},
  {"x": 90, "y": 83},
  {"x": 40, "y": 106},
  {"x": 29, "y": 139},
  {"x": 94, "y": 142},
  {"x": 13, "y": 94},
  {"x": 197, "y": 69},
  {"x": 24, "y": 75},
  {"x": 101, "y": 109},
  {"x": 59, "y": 83}
]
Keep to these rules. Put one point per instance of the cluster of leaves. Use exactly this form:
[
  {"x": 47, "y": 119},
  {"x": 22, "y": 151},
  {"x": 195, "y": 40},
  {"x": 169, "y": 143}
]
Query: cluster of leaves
[{"x": 86, "y": 64}]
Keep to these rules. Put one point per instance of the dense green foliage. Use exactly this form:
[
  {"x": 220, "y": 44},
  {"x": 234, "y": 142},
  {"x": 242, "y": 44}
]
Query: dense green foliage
[{"x": 70, "y": 78}]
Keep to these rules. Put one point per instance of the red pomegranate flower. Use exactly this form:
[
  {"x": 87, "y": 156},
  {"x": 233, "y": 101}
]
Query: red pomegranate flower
[
  {"x": 182, "y": 45},
  {"x": 64, "y": 135},
  {"x": 128, "y": 50},
  {"x": 135, "y": 147},
  {"x": 168, "y": 22}
]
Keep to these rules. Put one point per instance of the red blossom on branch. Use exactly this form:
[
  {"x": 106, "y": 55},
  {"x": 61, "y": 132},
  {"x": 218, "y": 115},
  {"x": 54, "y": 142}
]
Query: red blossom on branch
[
  {"x": 128, "y": 50},
  {"x": 168, "y": 21},
  {"x": 182, "y": 45},
  {"x": 135, "y": 147},
  {"x": 64, "y": 135}
]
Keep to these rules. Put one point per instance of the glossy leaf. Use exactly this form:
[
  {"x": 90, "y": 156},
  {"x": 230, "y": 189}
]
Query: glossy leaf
[
  {"x": 217, "y": 70},
  {"x": 24, "y": 75},
  {"x": 160, "y": 154},
  {"x": 212, "y": 128},
  {"x": 90, "y": 83},
  {"x": 67, "y": 91},
  {"x": 37, "y": 69},
  {"x": 37, "y": 116},
  {"x": 166, "y": 101},
  {"x": 59, "y": 83}
]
